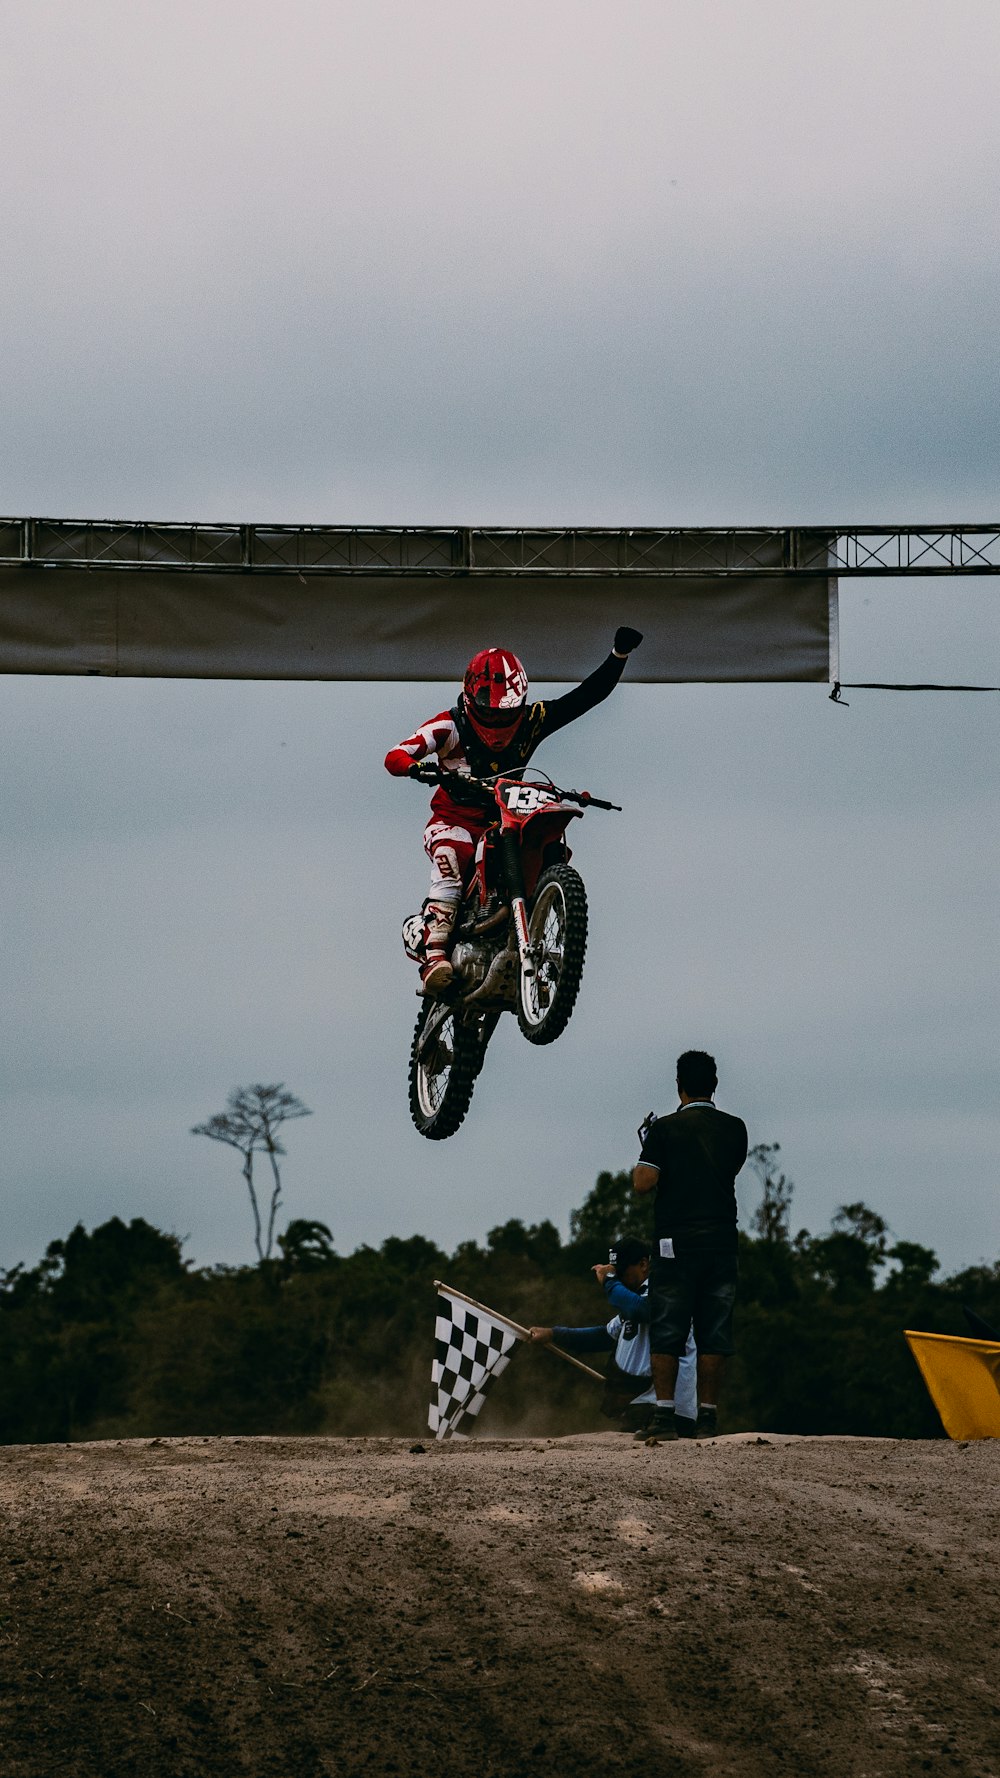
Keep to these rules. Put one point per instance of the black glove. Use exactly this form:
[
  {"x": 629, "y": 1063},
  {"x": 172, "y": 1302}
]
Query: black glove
[
  {"x": 424, "y": 770},
  {"x": 626, "y": 639}
]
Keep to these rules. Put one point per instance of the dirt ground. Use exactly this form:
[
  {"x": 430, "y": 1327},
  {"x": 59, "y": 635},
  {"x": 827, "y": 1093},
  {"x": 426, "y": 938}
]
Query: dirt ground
[{"x": 301, "y": 1607}]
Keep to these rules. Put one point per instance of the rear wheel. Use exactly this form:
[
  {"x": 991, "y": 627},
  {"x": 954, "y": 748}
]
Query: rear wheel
[
  {"x": 483, "y": 1025},
  {"x": 445, "y": 1059},
  {"x": 557, "y": 930}
]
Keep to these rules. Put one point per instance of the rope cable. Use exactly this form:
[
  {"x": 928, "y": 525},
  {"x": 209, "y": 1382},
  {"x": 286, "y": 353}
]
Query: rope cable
[{"x": 881, "y": 685}]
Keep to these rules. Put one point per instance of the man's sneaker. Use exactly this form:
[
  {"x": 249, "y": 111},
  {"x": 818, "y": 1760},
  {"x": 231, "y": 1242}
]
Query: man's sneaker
[
  {"x": 436, "y": 975},
  {"x": 661, "y": 1429},
  {"x": 708, "y": 1423},
  {"x": 686, "y": 1428}
]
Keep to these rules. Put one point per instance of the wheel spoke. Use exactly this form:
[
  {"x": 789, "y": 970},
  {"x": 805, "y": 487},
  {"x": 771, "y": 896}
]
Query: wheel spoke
[
  {"x": 435, "y": 1064},
  {"x": 445, "y": 1059},
  {"x": 557, "y": 930},
  {"x": 547, "y": 930}
]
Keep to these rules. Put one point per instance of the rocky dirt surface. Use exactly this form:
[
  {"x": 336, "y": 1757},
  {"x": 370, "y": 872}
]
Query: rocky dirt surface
[{"x": 301, "y": 1607}]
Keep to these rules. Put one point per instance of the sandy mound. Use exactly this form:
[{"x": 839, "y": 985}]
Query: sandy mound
[{"x": 300, "y": 1607}]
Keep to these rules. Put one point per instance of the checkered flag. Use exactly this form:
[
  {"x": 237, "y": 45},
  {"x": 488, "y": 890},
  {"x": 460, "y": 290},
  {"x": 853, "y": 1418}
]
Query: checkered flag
[{"x": 472, "y": 1345}]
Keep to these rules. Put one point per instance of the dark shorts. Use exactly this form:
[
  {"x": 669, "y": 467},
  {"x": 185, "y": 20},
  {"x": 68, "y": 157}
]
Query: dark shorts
[{"x": 701, "y": 1289}]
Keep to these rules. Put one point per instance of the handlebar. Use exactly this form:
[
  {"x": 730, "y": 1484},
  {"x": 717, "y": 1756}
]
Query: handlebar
[
  {"x": 592, "y": 802},
  {"x": 426, "y": 772}
]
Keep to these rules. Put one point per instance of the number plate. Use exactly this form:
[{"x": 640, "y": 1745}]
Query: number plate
[{"x": 524, "y": 799}]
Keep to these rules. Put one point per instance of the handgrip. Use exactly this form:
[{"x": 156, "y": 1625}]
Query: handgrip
[{"x": 589, "y": 801}]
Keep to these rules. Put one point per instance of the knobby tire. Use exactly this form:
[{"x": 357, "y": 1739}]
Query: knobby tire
[
  {"x": 559, "y": 1011},
  {"x": 468, "y": 1060}
]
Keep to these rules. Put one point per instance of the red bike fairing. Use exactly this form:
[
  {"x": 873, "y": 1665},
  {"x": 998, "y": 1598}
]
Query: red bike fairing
[{"x": 541, "y": 818}]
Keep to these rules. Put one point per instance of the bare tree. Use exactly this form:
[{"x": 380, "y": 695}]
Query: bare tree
[
  {"x": 250, "y": 1124},
  {"x": 770, "y": 1219}
]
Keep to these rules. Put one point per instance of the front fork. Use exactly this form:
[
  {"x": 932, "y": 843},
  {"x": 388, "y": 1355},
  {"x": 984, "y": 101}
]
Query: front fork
[{"x": 513, "y": 883}]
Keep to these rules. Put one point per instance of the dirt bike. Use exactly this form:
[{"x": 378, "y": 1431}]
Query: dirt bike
[{"x": 519, "y": 942}]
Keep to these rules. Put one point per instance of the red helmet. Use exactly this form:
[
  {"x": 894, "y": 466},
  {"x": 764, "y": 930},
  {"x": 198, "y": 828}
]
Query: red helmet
[{"x": 495, "y": 688}]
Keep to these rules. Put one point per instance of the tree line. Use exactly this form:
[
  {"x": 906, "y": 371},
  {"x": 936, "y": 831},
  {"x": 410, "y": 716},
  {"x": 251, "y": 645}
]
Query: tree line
[{"x": 115, "y": 1335}]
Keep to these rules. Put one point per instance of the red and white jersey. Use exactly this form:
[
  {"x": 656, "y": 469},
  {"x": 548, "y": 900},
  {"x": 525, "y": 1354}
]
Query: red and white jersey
[{"x": 439, "y": 737}]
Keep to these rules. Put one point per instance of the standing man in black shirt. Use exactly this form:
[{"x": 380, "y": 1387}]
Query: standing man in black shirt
[{"x": 691, "y": 1159}]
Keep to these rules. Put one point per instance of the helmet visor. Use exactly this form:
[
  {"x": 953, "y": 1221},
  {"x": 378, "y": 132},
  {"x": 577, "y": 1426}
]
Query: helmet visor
[{"x": 489, "y": 717}]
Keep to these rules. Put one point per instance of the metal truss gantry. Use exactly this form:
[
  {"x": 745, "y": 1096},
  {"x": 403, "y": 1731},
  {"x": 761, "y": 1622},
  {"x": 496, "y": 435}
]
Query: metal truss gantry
[{"x": 847, "y": 551}]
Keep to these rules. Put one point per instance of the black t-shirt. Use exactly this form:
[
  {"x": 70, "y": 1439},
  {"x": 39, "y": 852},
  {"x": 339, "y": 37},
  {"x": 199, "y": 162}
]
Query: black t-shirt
[{"x": 698, "y": 1151}]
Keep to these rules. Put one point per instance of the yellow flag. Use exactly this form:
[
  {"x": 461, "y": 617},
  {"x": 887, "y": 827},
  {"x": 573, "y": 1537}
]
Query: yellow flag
[{"x": 963, "y": 1377}]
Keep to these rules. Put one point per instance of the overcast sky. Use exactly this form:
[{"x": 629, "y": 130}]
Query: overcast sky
[{"x": 683, "y": 261}]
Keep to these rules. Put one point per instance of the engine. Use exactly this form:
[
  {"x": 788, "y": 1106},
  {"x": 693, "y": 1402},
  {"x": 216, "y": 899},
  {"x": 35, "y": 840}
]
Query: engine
[{"x": 471, "y": 958}]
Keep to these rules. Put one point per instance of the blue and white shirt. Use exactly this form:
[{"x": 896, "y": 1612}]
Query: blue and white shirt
[{"x": 627, "y": 1335}]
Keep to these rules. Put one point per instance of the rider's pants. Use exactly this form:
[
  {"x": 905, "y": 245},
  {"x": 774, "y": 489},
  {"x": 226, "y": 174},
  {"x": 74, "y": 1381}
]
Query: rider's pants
[{"x": 452, "y": 852}]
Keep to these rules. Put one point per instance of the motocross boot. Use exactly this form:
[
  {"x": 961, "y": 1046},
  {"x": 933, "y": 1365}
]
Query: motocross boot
[{"x": 436, "y": 972}]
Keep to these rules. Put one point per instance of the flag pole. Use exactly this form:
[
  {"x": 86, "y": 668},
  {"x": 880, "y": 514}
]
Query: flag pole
[{"x": 557, "y": 1351}]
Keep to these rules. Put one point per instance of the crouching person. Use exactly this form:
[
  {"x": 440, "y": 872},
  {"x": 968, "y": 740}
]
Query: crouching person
[{"x": 629, "y": 1394}]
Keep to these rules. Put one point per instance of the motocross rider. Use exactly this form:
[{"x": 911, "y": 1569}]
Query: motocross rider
[{"x": 491, "y": 729}]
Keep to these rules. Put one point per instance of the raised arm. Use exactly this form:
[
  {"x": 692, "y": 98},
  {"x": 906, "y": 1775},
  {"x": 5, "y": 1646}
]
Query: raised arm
[
  {"x": 597, "y": 686},
  {"x": 646, "y": 1172}
]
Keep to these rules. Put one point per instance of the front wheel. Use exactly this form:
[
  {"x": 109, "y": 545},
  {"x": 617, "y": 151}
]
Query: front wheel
[
  {"x": 557, "y": 931},
  {"x": 446, "y": 1056}
]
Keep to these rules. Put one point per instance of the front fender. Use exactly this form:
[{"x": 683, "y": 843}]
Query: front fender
[{"x": 537, "y": 832}]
